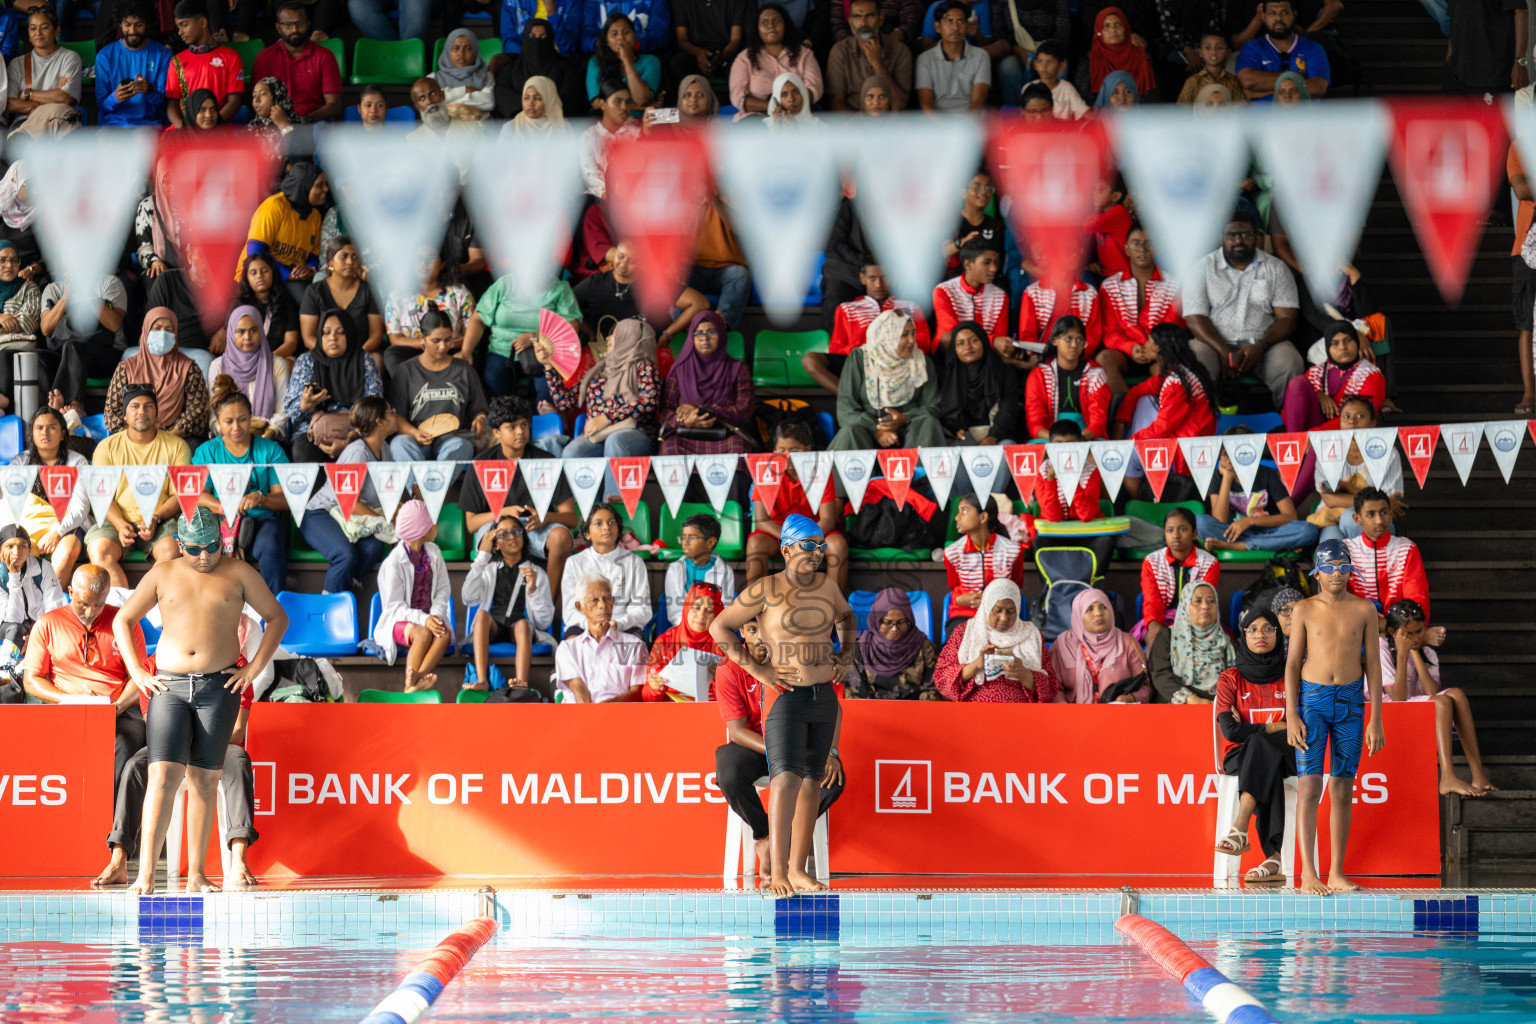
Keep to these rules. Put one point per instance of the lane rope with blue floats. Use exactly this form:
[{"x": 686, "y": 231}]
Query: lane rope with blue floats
[{"x": 421, "y": 987}]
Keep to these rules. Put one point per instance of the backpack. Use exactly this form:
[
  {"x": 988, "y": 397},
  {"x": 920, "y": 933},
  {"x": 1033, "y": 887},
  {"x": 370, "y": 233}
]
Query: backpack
[
  {"x": 1281, "y": 570},
  {"x": 879, "y": 523},
  {"x": 515, "y": 695},
  {"x": 303, "y": 681},
  {"x": 773, "y": 411}
]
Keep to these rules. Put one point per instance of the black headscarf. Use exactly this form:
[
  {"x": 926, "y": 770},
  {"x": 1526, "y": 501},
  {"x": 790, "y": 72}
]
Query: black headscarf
[
  {"x": 968, "y": 391},
  {"x": 1335, "y": 328},
  {"x": 538, "y": 57},
  {"x": 1261, "y": 669},
  {"x": 296, "y": 184},
  {"x": 344, "y": 376},
  {"x": 195, "y": 101}
]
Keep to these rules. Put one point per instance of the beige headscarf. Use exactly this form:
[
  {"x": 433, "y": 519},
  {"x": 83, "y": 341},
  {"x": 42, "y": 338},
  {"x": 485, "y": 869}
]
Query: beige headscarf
[
  {"x": 1024, "y": 638},
  {"x": 554, "y": 112},
  {"x": 632, "y": 343},
  {"x": 889, "y": 380}
]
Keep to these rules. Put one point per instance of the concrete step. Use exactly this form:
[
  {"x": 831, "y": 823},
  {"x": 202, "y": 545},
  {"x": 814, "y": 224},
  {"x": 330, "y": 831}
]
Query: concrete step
[{"x": 1489, "y": 400}]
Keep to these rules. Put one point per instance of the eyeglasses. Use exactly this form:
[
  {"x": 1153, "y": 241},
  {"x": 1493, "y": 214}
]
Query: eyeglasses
[
  {"x": 10, "y": 260},
  {"x": 706, "y": 332},
  {"x": 289, "y": 24},
  {"x": 985, "y": 190},
  {"x": 1138, "y": 244},
  {"x": 1329, "y": 568},
  {"x": 892, "y": 623},
  {"x": 1265, "y": 630},
  {"x": 1235, "y": 236},
  {"x": 196, "y": 550},
  {"x": 810, "y": 545}
]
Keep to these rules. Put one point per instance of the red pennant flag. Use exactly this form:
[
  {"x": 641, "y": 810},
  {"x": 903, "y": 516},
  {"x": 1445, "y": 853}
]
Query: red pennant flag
[
  {"x": 657, "y": 189},
  {"x": 188, "y": 483},
  {"x": 629, "y": 472},
  {"x": 1157, "y": 460},
  {"x": 767, "y": 469},
  {"x": 898, "y": 465},
  {"x": 1448, "y": 159},
  {"x": 1419, "y": 445},
  {"x": 347, "y": 482},
  {"x": 1051, "y": 171},
  {"x": 1289, "y": 450},
  {"x": 59, "y": 485},
  {"x": 1530, "y": 425},
  {"x": 211, "y": 183},
  {"x": 495, "y": 476},
  {"x": 1024, "y": 463}
]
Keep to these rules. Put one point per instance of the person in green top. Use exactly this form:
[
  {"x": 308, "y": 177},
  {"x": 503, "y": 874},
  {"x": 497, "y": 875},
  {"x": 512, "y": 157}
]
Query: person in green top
[
  {"x": 260, "y": 528},
  {"x": 888, "y": 395},
  {"x": 513, "y": 324}
]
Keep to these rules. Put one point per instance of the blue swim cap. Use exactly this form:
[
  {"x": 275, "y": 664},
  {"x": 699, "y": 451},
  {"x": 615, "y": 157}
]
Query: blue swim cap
[
  {"x": 1331, "y": 551},
  {"x": 798, "y": 527}
]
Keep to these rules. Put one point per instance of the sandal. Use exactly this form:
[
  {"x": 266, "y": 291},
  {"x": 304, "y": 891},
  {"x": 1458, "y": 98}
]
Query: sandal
[
  {"x": 1235, "y": 844},
  {"x": 1525, "y": 408},
  {"x": 1266, "y": 873}
]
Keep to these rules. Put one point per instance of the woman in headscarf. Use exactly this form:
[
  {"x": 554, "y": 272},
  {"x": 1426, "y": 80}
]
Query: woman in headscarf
[
  {"x": 620, "y": 396},
  {"x": 706, "y": 395},
  {"x": 468, "y": 92},
  {"x": 1095, "y": 661},
  {"x": 788, "y": 105},
  {"x": 21, "y": 311},
  {"x": 1213, "y": 97},
  {"x": 978, "y": 394},
  {"x": 414, "y": 596},
  {"x": 537, "y": 58},
  {"x": 181, "y": 394},
  {"x": 876, "y": 96},
  {"x": 261, "y": 287},
  {"x": 272, "y": 107},
  {"x": 1186, "y": 658},
  {"x": 1291, "y": 90},
  {"x": 202, "y": 110},
  {"x": 254, "y": 371},
  {"x": 888, "y": 395},
  {"x": 697, "y": 104},
  {"x": 48, "y": 445},
  {"x": 685, "y": 645},
  {"x": 326, "y": 382},
  {"x": 287, "y": 225},
  {"x": 617, "y": 58},
  {"x": 1283, "y": 603},
  {"x": 1313, "y": 400},
  {"x": 895, "y": 659},
  {"x": 1112, "y": 50},
  {"x": 996, "y": 657},
  {"x": 1119, "y": 92},
  {"x": 541, "y": 109},
  {"x": 1250, "y": 711}
]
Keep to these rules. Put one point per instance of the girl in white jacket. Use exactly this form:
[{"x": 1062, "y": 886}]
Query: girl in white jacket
[
  {"x": 414, "y": 592},
  {"x": 514, "y": 599}
]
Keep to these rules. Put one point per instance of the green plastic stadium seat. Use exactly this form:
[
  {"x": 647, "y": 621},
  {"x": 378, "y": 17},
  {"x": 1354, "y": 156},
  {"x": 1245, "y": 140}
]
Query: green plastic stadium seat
[
  {"x": 386, "y": 62},
  {"x": 1154, "y": 511},
  {"x": 450, "y": 533},
  {"x": 640, "y": 525},
  {"x": 298, "y": 548},
  {"x": 247, "y": 51},
  {"x": 735, "y": 344},
  {"x": 390, "y": 697},
  {"x": 1243, "y": 556},
  {"x": 733, "y": 538},
  {"x": 337, "y": 47},
  {"x": 469, "y": 696},
  {"x": 776, "y": 357},
  {"x": 86, "y": 48},
  {"x": 488, "y": 49}
]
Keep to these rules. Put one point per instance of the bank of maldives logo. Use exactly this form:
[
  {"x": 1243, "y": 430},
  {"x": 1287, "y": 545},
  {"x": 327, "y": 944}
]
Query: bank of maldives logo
[{"x": 903, "y": 787}]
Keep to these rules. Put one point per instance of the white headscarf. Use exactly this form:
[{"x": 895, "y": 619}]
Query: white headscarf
[
  {"x": 889, "y": 380},
  {"x": 15, "y": 211},
  {"x": 554, "y": 110},
  {"x": 805, "y": 117},
  {"x": 1024, "y": 638}
]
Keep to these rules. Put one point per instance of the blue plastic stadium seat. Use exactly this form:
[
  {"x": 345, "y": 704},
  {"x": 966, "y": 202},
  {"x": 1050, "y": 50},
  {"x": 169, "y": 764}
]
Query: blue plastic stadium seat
[
  {"x": 376, "y": 608},
  {"x": 922, "y": 609},
  {"x": 151, "y": 635},
  {"x": 547, "y": 424},
  {"x": 95, "y": 427},
  {"x": 1258, "y": 422},
  {"x": 320, "y": 625},
  {"x": 11, "y": 429},
  {"x": 502, "y": 650}
]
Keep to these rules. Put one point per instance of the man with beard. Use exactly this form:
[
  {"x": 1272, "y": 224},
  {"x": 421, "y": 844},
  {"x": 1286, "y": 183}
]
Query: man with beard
[
  {"x": 308, "y": 70},
  {"x": 1280, "y": 49},
  {"x": 867, "y": 53},
  {"x": 130, "y": 73},
  {"x": 432, "y": 107}
]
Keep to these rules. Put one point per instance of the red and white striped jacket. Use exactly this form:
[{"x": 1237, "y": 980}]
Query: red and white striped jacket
[
  {"x": 1388, "y": 570},
  {"x": 1083, "y": 505},
  {"x": 851, "y": 323},
  {"x": 1127, "y": 322},
  {"x": 1160, "y": 579},
  {"x": 1364, "y": 378},
  {"x": 1042, "y": 404},
  {"x": 1040, "y": 308},
  {"x": 955, "y": 301},
  {"x": 1180, "y": 413},
  {"x": 969, "y": 570}
]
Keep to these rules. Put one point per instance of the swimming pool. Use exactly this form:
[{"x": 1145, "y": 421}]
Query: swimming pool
[{"x": 875, "y": 957}]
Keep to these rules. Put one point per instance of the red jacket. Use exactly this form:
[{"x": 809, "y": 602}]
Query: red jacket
[
  {"x": 1084, "y": 506},
  {"x": 1388, "y": 570},
  {"x": 851, "y": 323},
  {"x": 1042, "y": 406},
  {"x": 1180, "y": 413},
  {"x": 955, "y": 301},
  {"x": 1364, "y": 378},
  {"x": 968, "y": 570},
  {"x": 1159, "y": 579},
  {"x": 1127, "y": 320},
  {"x": 1040, "y": 308}
]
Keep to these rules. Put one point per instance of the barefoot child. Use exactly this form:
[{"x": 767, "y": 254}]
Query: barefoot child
[
  {"x": 515, "y": 604},
  {"x": 414, "y": 592},
  {"x": 1323, "y": 705}
]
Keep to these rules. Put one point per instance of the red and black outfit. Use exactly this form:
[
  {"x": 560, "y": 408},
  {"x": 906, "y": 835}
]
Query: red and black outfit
[
  {"x": 1164, "y": 577},
  {"x": 1041, "y": 307},
  {"x": 1260, "y": 759},
  {"x": 1050, "y": 391}
]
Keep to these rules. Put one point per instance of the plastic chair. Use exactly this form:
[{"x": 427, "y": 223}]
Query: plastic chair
[
  {"x": 472, "y": 697},
  {"x": 1155, "y": 511},
  {"x": 320, "y": 625},
  {"x": 151, "y": 635},
  {"x": 497, "y": 650},
  {"x": 450, "y": 533},
  {"x": 827, "y": 425},
  {"x": 338, "y": 50},
  {"x": 247, "y": 51},
  {"x": 776, "y": 357},
  {"x": 735, "y": 344},
  {"x": 1227, "y": 870},
  {"x": 488, "y": 49},
  {"x": 861, "y": 601},
  {"x": 173, "y": 835},
  {"x": 944, "y": 621},
  {"x": 376, "y": 608},
  {"x": 640, "y": 525},
  {"x": 387, "y": 62},
  {"x": 86, "y": 48},
  {"x": 741, "y": 858},
  {"x": 547, "y": 424},
  {"x": 733, "y": 530},
  {"x": 11, "y": 434},
  {"x": 298, "y": 548},
  {"x": 95, "y": 427},
  {"x": 1234, "y": 609},
  {"x": 391, "y": 697},
  {"x": 1258, "y": 422}
]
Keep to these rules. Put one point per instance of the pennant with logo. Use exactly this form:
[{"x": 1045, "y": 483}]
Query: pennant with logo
[
  {"x": 1201, "y": 455},
  {"x": 1050, "y": 172},
  {"x": 17, "y": 483},
  {"x": 1185, "y": 173},
  {"x": 432, "y": 480},
  {"x": 909, "y": 171},
  {"x": 1505, "y": 438},
  {"x": 629, "y": 473},
  {"x": 585, "y": 477},
  {"x": 1157, "y": 461},
  {"x": 540, "y": 476},
  {"x": 230, "y": 482},
  {"x": 1111, "y": 458},
  {"x": 983, "y": 467},
  {"x": 1244, "y": 451},
  {"x": 396, "y": 195},
  {"x": 100, "y": 483},
  {"x": 672, "y": 473},
  {"x": 297, "y": 479},
  {"x": 898, "y": 466},
  {"x": 1419, "y": 446},
  {"x": 85, "y": 187},
  {"x": 854, "y": 469},
  {"x": 1376, "y": 446},
  {"x": 147, "y": 485},
  {"x": 389, "y": 480},
  {"x": 1289, "y": 450},
  {"x": 941, "y": 465},
  {"x": 717, "y": 471},
  {"x": 814, "y": 470},
  {"x": 1461, "y": 441},
  {"x": 59, "y": 485},
  {"x": 658, "y": 186},
  {"x": 1325, "y": 161},
  {"x": 207, "y": 186},
  {"x": 1069, "y": 461},
  {"x": 346, "y": 479},
  {"x": 527, "y": 229},
  {"x": 1024, "y": 464},
  {"x": 1332, "y": 450},
  {"x": 1447, "y": 159},
  {"x": 784, "y": 191},
  {"x": 767, "y": 472}
]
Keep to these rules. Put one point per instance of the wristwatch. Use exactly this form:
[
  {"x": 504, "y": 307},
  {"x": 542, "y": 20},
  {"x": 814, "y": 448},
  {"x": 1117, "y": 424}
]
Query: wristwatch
[{"x": 833, "y": 753}]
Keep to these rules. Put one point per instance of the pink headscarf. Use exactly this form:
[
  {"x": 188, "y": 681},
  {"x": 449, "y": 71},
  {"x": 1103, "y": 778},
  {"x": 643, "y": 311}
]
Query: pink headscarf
[
  {"x": 413, "y": 521},
  {"x": 1114, "y": 654}
]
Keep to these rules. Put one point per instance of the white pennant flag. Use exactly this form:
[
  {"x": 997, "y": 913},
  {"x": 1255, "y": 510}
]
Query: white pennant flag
[
  {"x": 672, "y": 473},
  {"x": 147, "y": 485},
  {"x": 941, "y": 465},
  {"x": 1461, "y": 440},
  {"x": 1185, "y": 172},
  {"x": 297, "y": 479},
  {"x": 432, "y": 480},
  {"x": 1201, "y": 455},
  {"x": 1521, "y": 117},
  {"x": 909, "y": 171},
  {"x": 84, "y": 187},
  {"x": 1332, "y": 450},
  {"x": 524, "y": 197},
  {"x": 1245, "y": 452},
  {"x": 230, "y": 482},
  {"x": 396, "y": 195},
  {"x": 100, "y": 483},
  {"x": 585, "y": 477},
  {"x": 784, "y": 193},
  {"x": 814, "y": 469},
  {"x": 17, "y": 483},
  {"x": 1111, "y": 458},
  {"x": 1325, "y": 161},
  {"x": 983, "y": 465},
  {"x": 1376, "y": 446},
  {"x": 718, "y": 471},
  {"x": 1505, "y": 438},
  {"x": 541, "y": 477},
  {"x": 1069, "y": 461},
  {"x": 853, "y": 468},
  {"x": 389, "y": 480}
]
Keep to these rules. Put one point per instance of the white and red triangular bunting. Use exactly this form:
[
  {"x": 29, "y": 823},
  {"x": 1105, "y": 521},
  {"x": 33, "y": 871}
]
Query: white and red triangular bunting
[
  {"x": 984, "y": 466},
  {"x": 59, "y": 483},
  {"x": 1201, "y": 455},
  {"x": 853, "y": 469},
  {"x": 432, "y": 479},
  {"x": 586, "y": 478},
  {"x": 527, "y": 230},
  {"x": 1069, "y": 461},
  {"x": 1332, "y": 450},
  {"x": 898, "y": 466},
  {"x": 767, "y": 472},
  {"x": 147, "y": 485},
  {"x": 1024, "y": 464},
  {"x": 16, "y": 482},
  {"x": 1050, "y": 172},
  {"x": 657, "y": 186},
  {"x": 1157, "y": 461},
  {"x": 1419, "y": 448},
  {"x": 230, "y": 482},
  {"x": 814, "y": 470},
  {"x": 1288, "y": 450},
  {"x": 297, "y": 479},
  {"x": 1377, "y": 446},
  {"x": 542, "y": 478},
  {"x": 495, "y": 479},
  {"x": 629, "y": 473},
  {"x": 346, "y": 479},
  {"x": 1111, "y": 459},
  {"x": 672, "y": 474},
  {"x": 717, "y": 471},
  {"x": 1245, "y": 451},
  {"x": 1505, "y": 438},
  {"x": 100, "y": 483},
  {"x": 1461, "y": 443},
  {"x": 941, "y": 465},
  {"x": 389, "y": 480},
  {"x": 187, "y": 483}
]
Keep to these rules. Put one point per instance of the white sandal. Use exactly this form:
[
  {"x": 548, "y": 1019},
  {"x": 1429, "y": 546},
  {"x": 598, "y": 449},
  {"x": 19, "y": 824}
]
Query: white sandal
[
  {"x": 1236, "y": 843},
  {"x": 1266, "y": 873}
]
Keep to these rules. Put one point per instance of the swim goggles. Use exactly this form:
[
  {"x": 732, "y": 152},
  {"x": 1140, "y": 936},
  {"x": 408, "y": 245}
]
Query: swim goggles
[
  {"x": 1329, "y": 568},
  {"x": 811, "y": 545}
]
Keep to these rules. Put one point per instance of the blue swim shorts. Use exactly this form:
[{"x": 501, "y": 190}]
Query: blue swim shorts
[{"x": 1334, "y": 717}]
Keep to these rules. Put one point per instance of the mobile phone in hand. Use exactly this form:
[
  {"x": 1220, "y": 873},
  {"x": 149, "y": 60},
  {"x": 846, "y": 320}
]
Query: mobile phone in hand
[{"x": 665, "y": 115}]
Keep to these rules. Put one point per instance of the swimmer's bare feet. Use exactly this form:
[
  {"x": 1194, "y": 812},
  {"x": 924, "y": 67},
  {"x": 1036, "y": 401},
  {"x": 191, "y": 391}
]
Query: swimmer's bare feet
[
  {"x": 142, "y": 886},
  {"x": 239, "y": 876},
  {"x": 779, "y": 886},
  {"x": 200, "y": 883},
  {"x": 478, "y": 684},
  {"x": 1312, "y": 884},
  {"x": 1338, "y": 883},
  {"x": 1482, "y": 785},
  {"x": 762, "y": 852},
  {"x": 1450, "y": 783},
  {"x": 116, "y": 871},
  {"x": 803, "y": 882}
]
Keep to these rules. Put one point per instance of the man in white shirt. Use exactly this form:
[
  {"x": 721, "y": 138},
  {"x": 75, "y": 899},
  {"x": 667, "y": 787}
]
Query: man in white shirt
[{"x": 601, "y": 664}]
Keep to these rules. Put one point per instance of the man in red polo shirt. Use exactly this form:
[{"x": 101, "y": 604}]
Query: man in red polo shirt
[
  {"x": 204, "y": 64},
  {"x": 308, "y": 70}
]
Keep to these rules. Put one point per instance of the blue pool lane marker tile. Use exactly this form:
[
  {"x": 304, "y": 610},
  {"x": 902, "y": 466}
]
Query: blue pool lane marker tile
[
  {"x": 170, "y": 919},
  {"x": 1445, "y": 915},
  {"x": 810, "y": 916}
]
